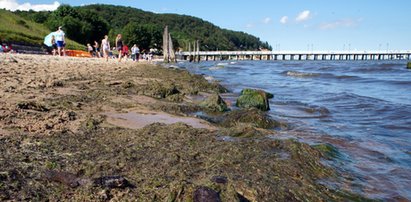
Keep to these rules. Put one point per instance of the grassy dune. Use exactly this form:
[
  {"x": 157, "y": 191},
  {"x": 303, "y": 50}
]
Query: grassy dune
[{"x": 14, "y": 28}]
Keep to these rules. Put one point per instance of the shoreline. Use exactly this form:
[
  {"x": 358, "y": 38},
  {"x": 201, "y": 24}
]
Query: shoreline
[{"x": 69, "y": 115}]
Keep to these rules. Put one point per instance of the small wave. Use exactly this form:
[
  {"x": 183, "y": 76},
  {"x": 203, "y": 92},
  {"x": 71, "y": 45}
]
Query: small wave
[
  {"x": 222, "y": 64},
  {"x": 301, "y": 74},
  {"x": 295, "y": 109},
  {"x": 216, "y": 67},
  {"x": 379, "y": 68},
  {"x": 209, "y": 78}
]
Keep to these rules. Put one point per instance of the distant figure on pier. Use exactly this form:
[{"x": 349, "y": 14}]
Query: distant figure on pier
[
  {"x": 119, "y": 46},
  {"x": 105, "y": 44}
]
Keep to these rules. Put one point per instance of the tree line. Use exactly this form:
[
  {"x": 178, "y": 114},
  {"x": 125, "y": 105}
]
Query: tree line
[{"x": 86, "y": 24}]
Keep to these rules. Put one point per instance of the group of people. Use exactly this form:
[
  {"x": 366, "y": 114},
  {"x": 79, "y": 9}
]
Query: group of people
[
  {"x": 121, "y": 48},
  {"x": 105, "y": 51}
]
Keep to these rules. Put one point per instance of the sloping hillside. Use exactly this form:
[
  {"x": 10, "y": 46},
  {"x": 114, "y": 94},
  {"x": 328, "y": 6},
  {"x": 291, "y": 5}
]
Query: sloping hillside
[
  {"x": 14, "y": 28},
  {"x": 85, "y": 24}
]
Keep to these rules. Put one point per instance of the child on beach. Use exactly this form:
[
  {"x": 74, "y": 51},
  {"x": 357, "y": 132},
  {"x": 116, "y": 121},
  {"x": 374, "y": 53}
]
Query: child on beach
[
  {"x": 119, "y": 46},
  {"x": 53, "y": 45},
  {"x": 125, "y": 51},
  {"x": 90, "y": 49},
  {"x": 105, "y": 44}
]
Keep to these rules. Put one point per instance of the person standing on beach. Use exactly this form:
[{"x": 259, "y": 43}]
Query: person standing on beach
[
  {"x": 97, "y": 49},
  {"x": 135, "y": 53},
  {"x": 105, "y": 44},
  {"x": 60, "y": 40},
  {"x": 119, "y": 46},
  {"x": 53, "y": 45}
]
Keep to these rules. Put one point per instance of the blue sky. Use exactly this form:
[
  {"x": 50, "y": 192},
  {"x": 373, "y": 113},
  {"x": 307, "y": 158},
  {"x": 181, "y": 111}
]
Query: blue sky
[{"x": 289, "y": 25}]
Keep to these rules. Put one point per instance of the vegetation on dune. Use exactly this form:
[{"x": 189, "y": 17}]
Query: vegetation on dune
[
  {"x": 85, "y": 24},
  {"x": 15, "y": 28}
]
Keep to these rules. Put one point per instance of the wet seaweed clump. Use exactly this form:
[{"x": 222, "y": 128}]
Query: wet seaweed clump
[
  {"x": 253, "y": 116},
  {"x": 32, "y": 105},
  {"x": 244, "y": 131},
  {"x": 92, "y": 122},
  {"x": 328, "y": 150},
  {"x": 160, "y": 90}
]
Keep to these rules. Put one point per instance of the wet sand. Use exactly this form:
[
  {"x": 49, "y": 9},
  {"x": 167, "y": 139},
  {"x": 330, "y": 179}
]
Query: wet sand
[{"x": 86, "y": 119}]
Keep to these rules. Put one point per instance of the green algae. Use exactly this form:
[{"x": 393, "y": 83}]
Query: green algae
[
  {"x": 328, "y": 150},
  {"x": 252, "y": 116},
  {"x": 250, "y": 98}
]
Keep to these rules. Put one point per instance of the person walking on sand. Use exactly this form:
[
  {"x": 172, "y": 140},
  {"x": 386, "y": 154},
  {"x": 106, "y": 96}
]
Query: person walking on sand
[
  {"x": 60, "y": 40},
  {"x": 119, "y": 46},
  {"x": 97, "y": 49},
  {"x": 105, "y": 44},
  {"x": 135, "y": 53}
]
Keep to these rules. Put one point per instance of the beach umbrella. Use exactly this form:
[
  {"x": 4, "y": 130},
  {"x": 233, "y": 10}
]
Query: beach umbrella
[{"x": 47, "y": 39}]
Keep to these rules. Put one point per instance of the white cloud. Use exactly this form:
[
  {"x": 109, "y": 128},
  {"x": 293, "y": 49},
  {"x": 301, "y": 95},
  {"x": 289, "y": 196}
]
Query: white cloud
[
  {"x": 303, "y": 16},
  {"x": 339, "y": 23},
  {"x": 267, "y": 20},
  {"x": 13, "y": 5},
  {"x": 249, "y": 25},
  {"x": 284, "y": 20}
]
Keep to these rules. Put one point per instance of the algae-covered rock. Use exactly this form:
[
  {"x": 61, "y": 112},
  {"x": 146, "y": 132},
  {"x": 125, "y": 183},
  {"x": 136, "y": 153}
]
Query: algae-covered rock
[
  {"x": 328, "y": 150},
  {"x": 214, "y": 103},
  {"x": 253, "y": 116},
  {"x": 205, "y": 194},
  {"x": 254, "y": 98},
  {"x": 409, "y": 65}
]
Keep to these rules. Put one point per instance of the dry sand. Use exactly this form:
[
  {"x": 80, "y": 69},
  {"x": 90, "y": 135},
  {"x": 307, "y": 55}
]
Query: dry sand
[{"x": 41, "y": 78}]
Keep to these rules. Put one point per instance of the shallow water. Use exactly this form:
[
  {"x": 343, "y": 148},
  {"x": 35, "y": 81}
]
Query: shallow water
[{"x": 363, "y": 108}]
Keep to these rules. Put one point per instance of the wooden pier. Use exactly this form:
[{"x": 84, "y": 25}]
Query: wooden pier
[{"x": 296, "y": 55}]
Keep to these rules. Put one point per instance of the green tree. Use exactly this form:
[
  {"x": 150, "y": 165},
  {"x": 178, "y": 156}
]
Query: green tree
[{"x": 145, "y": 36}]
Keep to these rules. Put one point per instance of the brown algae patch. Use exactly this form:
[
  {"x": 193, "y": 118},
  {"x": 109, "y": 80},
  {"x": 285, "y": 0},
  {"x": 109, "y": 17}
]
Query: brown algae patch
[{"x": 58, "y": 136}]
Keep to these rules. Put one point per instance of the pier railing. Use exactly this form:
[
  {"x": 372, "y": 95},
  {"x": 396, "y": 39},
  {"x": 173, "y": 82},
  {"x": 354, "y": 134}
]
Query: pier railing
[{"x": 297, "y": 55}]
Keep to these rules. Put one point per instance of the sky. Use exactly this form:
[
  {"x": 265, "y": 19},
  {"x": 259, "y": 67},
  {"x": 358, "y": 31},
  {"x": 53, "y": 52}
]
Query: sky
[{"x": 319, "y": 25}]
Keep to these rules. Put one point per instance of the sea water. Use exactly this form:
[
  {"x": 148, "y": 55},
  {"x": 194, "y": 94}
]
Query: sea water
[{"x": 361, "y": 107}]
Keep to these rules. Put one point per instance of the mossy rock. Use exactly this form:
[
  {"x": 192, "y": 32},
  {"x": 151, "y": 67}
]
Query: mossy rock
[
  {"x": 252, "y": 116},
  {"x": 250, "y": 98},
  {"x": 328, "y": 150},
  {"x": 248, "y": 91},
  {"x": 214, "y": 103},
  {"x": 409, "y": 65}
]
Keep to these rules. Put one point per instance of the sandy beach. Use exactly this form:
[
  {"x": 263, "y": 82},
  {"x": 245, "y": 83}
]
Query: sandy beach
[{"x": 77, "y": 129}]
